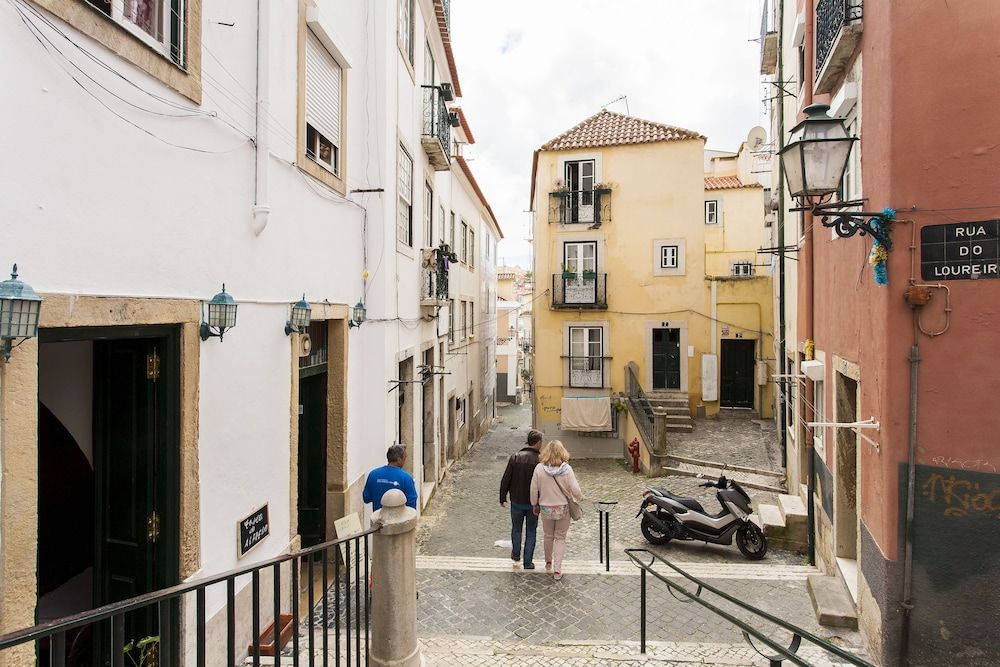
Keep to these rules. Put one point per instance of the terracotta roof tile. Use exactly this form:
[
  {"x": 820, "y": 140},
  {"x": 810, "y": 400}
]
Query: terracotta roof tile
[
  {"x": 608, "y": 128},
  {"x": 726, "y": 182}
]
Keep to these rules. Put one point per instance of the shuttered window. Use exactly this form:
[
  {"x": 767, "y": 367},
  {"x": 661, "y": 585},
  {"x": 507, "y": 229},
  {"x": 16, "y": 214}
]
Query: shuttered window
[{"x": 323, "y": 112}]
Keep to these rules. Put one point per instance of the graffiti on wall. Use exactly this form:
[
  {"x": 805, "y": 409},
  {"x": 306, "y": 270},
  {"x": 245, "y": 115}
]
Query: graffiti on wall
[
  {"x": 961, "y": 497},
  {"x": 964, "y": 464}
]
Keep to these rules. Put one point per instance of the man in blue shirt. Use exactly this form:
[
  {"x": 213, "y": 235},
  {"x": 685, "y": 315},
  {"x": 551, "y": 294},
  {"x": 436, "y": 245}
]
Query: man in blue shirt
[{"x": 390, "y": 476}]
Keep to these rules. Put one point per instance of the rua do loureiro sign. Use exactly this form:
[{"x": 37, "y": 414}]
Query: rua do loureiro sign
[
  {"x": 253, "y": 530},
  {"x": 964, "y": 251}
]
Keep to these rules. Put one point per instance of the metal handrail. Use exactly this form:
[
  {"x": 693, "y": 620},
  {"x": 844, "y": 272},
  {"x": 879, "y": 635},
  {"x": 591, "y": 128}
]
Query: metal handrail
[
  {"x": 789, "y": 652},
  {"x": 115, "y": 611},
  {"x": 642, "y": 409}
]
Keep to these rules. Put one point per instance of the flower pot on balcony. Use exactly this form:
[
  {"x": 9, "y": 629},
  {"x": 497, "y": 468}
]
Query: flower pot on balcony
[
  {"x": 569, "y": 275},
  {"x": 590, "y": 275}
]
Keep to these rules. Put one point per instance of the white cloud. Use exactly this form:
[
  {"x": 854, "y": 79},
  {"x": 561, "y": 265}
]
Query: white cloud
[{"x": 531, "y": 69}]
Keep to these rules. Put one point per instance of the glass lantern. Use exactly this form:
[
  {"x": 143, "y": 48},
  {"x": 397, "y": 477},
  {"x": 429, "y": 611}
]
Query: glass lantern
[
  {"x": 815, "y": 159},
  {"x": 301, "y": 317},
  {"x": 221, "y": 315},
  {"x": 19, "y": 310}
]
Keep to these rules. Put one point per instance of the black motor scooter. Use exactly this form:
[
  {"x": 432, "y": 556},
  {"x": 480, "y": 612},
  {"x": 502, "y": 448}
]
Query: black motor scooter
[{"x": 668, "y": 517}]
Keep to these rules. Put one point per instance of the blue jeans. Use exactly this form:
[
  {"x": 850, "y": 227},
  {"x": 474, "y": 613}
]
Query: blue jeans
[{"x": 522, "y": 514}]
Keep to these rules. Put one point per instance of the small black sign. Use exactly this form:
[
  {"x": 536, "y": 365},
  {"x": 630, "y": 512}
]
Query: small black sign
[
  {"x": 253, "y": 530},
  {"x": 964, "y": 251}
]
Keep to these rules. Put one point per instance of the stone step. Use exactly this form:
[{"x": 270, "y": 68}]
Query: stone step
[
  {"x": 669, "y": 402},
  {"x": 832, "y": 601},
  {"x": 679, "y": 428},
  {"x": 793, "y": 513}
]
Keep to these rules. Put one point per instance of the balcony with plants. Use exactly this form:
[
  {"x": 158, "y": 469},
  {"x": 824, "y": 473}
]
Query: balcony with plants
[
  {"x": 587, "y": 290},
  {"x": 435, "y": 135},
  {"x": 434, "y": 267},
  {"x": 580, "y": 207}
]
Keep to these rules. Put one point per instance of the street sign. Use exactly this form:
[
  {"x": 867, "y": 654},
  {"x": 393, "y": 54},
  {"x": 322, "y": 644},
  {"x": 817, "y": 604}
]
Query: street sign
[
  {"x": 253, "y": 530},
  {"x": 963, "y": 251}
]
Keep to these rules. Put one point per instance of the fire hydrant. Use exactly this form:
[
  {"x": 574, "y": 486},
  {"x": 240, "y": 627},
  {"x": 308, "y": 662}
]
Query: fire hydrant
[{"x": 633, "y": 451}]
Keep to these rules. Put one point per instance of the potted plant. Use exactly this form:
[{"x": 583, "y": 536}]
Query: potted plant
[
  {"x": 604, "y": 187},
  {"x": 559, "y": 186},
  {"x": 590, "y": 275},
  {"x": 569, "y": 275}
]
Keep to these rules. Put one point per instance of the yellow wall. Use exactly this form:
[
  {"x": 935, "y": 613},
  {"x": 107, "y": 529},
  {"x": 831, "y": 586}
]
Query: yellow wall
[{"x": 657, "y": 194}]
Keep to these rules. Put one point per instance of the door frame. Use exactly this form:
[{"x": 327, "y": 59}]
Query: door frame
[
  {"x": 682, "y": 325},
  {"x": 732, "y": 343}
]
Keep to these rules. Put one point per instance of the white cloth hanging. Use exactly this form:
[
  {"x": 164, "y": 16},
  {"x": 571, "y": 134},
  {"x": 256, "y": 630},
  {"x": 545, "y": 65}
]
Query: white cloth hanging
[{"x": 586, "y": 414}]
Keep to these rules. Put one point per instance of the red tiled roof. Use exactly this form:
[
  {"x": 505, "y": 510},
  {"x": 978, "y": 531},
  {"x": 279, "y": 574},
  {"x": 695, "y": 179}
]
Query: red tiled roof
[
  {"x": 726, "y": 183},
  {"x": 607, "y": 128},
  {"x": 442, "y": 21},
  {"x": 475, "y": 186}
]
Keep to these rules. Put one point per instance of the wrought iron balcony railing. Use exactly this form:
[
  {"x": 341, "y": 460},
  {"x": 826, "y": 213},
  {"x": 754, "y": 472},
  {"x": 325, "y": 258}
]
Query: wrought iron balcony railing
[
  {"x": 586, "y": 372},
  {"x": 434, "y": 276},
  {"x": 831, "y": 17},
  {"x": 436, "y": 134},
  {"x": 588, "y": 207},
  {"x": 580, "y": 290}
]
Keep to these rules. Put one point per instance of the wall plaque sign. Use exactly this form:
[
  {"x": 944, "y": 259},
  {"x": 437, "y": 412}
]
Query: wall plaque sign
[
  {"x": 963, "y": 251},
  {"x": 252, "y": 531}
]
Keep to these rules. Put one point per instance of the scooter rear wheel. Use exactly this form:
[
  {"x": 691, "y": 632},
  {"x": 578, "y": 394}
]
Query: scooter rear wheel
[
  {"x": 649, "y": 531},
  {"x": 751, "y": 541}
]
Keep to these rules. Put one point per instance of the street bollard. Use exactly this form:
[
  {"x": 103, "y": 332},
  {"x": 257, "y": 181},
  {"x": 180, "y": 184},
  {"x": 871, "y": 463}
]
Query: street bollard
[{"x": 604, "y": 508}]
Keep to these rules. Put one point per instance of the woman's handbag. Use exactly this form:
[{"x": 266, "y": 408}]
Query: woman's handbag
[{"x": 575, "y": 508}]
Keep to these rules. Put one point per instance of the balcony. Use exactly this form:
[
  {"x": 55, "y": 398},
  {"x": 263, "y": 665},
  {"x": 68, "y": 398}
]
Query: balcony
[
  {"x": 580, "y": 207},
  {"x": 586, "y": 372},
  {"x": 436, "y": 134},
  {"x": 580, "y": 290},
  {"x": 838, "y": 31},
  {"x": 768, "y": 40},
  {"x": 433, "y": 278}
]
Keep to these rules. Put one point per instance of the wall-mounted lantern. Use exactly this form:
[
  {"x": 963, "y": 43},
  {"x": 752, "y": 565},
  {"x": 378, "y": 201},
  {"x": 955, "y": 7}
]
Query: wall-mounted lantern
[
  {"x": 221, "y": 315},
  {"x": 814, "y": 162},
  {"x": 301, "y": 317},
  {"x": 358, "y": 315},
  {"x": 19, "y": 309}
]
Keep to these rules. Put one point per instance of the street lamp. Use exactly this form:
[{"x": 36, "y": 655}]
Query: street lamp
[
  {"x": 19, "y": 308},
  {"x": 301, "y": 316},
  {"x": 358, "y": 315},
  {"x": 221, "y": 315},
  {"x": 814, "y": 163}
]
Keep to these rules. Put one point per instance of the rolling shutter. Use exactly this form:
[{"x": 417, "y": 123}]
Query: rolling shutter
[{"x": 322, "y": 89}]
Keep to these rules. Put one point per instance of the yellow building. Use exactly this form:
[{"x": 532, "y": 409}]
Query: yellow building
[{"x": 645, "y": 258}]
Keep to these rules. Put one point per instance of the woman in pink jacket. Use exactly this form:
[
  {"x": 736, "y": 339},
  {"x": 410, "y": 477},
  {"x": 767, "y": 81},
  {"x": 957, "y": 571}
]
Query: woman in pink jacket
[{"x": 551, "y": 483}]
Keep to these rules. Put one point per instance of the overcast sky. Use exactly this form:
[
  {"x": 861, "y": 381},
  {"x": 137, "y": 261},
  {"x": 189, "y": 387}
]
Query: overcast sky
[{"x": 531, "y": 69}]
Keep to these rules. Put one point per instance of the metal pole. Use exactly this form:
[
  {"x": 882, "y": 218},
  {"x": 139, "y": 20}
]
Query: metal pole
[
  {"x": 600, "y": 535},
  {"x": 642, "y": 612},
  {"x": 607, "y": 541}
]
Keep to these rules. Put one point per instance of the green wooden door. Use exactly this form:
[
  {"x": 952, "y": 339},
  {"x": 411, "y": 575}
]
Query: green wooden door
[
  {"x": 666, "y": 359},
  {"x": 312, "y": 456},
  {"x": 737, "y": 385}
]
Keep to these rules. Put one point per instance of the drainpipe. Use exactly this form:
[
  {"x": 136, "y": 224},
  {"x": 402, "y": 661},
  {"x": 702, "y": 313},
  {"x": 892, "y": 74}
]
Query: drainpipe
[
  {"x": 714, "y": 344},
  {"x": 782, "y": 356},
  {"x": 261, "y": 209},
  {"x": 911, "y": 482},
  {"x": 807, "y": 270}
]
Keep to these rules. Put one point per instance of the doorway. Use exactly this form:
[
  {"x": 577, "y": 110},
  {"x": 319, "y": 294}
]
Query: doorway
[
  {"x": 737, "y": 382},
  {"x": 313, "y": 412},
  {"x": 427, "y": 416},
  {"x": 846, "y": 467},
  {"x": 666, "y": 358},
  {"x": 109, "y": 476}
]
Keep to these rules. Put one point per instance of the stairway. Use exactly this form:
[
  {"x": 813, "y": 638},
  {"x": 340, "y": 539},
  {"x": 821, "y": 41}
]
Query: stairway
[
  {"x": 784, "y": 524},
  {"x": 678, "y": 407}
]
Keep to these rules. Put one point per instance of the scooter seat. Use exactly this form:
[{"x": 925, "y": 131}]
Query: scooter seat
[{"x": 690, "y": 503}]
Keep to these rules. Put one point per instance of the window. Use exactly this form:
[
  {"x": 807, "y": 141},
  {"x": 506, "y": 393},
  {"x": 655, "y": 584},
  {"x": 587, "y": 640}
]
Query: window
[
  {"x": 579, "y": 201},
  {"x": 463, "y": 255},
  {"x": 472, "y": 248},
  {"x": 451, "y": 233},
  {"x": 451, "y": 321},
  {"x": 406, "y": 29},
  {"x": 404, "y": 226},
  {"x": 428, "y": 215},
  {"x": 472, "y": 319},
  {"x": 742, "y": 269},
  {"x": 849, "y": 183},
  {"x": 428, "y": 65},
  {"x": 460, "y": 411},
  {"x": 323, "y": 92},
  {"x": 580, "y": 258},
  {"x": 711, "y": 212},
  {"x": 462, "y": 330},
  {"x": 586, "y": 352},
  {"x": 149, "y": 20},
  {"x": 669, "y": 256},
  {"x": 819, "y": 411}
]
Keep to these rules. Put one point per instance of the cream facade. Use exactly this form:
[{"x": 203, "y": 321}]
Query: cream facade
[
  {"x": 639, "y": 259},
  {"x": 307, "y": 148}
]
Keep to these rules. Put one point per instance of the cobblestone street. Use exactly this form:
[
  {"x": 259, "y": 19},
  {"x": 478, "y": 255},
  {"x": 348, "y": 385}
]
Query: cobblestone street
[{"x": 470, "y": 589}]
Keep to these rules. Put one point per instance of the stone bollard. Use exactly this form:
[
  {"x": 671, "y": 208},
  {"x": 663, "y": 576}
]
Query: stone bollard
[
  {"x": 660, "y": 431},
  {"x": 394, "y": 585}
]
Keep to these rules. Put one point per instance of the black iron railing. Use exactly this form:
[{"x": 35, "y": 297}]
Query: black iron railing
[
  {"x": 98, "y": 636},
  {"x": 604, "y": 508},
  {"x": 434, "y": 274},
  {"x": 590, "y": 207},
  {"x": 645, "y": 560},
  {"x": 580, "y": 290},
  {"x": 586, "y": 371},
  {"x": 641, "y": 408},
  {"x": 436, "y": 121},
  {"x": 831, "y": 17}
]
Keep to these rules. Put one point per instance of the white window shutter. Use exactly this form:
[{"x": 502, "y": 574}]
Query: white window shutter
[{"x": 322, "y": 89}]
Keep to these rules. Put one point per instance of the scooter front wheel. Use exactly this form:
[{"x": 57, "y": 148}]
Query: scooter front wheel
[
  {"x": 751, "y": 541},
  {"x": 652, "y": 535}
]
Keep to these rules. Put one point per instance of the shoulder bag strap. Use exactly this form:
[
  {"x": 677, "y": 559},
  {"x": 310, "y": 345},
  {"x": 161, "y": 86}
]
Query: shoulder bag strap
[{"x": 556, "y": 480}]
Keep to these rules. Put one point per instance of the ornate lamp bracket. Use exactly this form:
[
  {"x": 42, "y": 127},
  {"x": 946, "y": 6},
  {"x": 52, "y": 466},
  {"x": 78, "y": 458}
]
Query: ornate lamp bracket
[{"x": 849, "y": 223}]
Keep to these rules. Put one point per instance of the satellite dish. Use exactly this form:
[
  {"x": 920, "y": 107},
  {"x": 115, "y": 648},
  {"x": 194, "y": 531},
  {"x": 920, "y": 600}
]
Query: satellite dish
[{"x": 756, "y": 138}]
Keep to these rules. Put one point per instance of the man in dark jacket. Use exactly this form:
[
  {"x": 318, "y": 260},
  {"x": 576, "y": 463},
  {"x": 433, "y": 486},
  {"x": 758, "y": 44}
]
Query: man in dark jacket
[{"x": 517, "y": 482}]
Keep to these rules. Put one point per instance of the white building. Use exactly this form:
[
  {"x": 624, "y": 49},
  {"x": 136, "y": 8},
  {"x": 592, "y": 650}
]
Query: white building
[{"x": 165, "y": 148}]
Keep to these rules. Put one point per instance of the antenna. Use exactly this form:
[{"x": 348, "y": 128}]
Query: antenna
[{"x": 620, "y": 98}]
